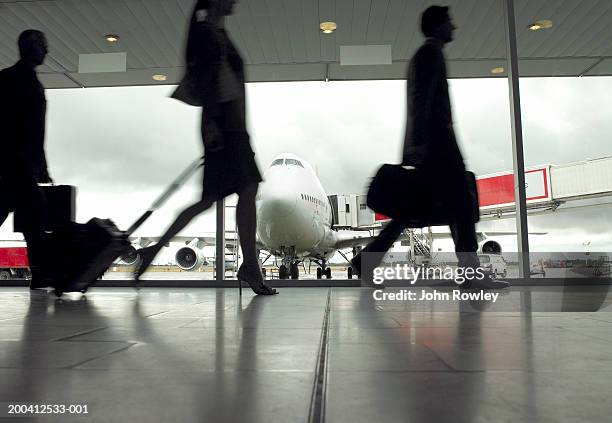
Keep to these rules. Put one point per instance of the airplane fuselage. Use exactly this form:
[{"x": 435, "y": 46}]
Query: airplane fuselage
[{"x": 294, "y": 213}]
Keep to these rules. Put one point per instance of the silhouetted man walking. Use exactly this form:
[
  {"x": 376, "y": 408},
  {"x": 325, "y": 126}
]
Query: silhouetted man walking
[
  {"x": 22, "y": 136},
  {"x": 430, "y": 145}
]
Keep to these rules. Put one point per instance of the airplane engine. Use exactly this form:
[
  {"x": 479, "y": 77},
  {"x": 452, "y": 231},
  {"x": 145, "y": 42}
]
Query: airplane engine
[
  {"x": 490, "y": 247},
  {"x": 189, "y": 258},
  {"x": 130, "y": 257}
]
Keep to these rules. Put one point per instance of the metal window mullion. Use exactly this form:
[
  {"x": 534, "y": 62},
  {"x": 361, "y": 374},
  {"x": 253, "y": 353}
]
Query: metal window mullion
[
  {"x": 518, "y": 157},
  {"x": 220, "y": 242}
]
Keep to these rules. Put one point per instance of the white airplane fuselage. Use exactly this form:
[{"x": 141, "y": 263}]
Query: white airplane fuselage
[{"x": 294, "y": 215}]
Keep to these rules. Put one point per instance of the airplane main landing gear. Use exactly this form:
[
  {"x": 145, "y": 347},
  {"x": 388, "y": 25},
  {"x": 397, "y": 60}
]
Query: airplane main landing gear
[
  {"x": 349, "y": 272},
  {"x": 294, "y": 270}
]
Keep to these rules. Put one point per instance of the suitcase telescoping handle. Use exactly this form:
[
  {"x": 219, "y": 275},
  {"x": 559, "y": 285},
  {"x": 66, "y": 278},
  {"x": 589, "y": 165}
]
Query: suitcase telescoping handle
[{"x": 178, "y": 182}]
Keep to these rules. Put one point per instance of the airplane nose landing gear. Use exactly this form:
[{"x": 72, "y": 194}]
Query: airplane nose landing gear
[
  {"x": 324, "y": 270},
  {"x": 289, "y": 269}
]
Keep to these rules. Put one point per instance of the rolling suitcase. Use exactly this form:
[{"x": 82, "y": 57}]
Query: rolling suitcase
[{"x": 89, "y": 249}]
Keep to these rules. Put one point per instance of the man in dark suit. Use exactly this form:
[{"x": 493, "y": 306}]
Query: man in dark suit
[
  {"x": 22, "y": 125},
  {"x": 430, "y": 145}
]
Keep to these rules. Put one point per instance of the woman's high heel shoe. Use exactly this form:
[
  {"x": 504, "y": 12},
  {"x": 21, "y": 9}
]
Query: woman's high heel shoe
[
  {"x": 252, "y": 275},
  {"x": 146, "y": 256}
]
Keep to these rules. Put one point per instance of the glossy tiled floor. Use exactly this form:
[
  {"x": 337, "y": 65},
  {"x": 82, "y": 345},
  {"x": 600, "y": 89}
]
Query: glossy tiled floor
[{"x": 201, "y": 355}]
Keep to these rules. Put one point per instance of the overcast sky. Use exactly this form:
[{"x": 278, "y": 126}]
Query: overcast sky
[{"x": 122, "y": 146}]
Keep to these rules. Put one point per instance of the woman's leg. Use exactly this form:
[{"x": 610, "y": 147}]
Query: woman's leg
[
  {"x": 148, "y": 254},
  {"x": 184, "y": 219},
  {"x": 246, "y": 219}
]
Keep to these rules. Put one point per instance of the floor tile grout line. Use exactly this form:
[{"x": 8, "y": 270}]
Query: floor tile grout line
[
  {"x": 318, "y": 398},
  {"x": 73, "y": 367},
  {"x": 157, "y": 314},
  {"x": 450, "y": 368},
  {"x": 86, "y": 332}
]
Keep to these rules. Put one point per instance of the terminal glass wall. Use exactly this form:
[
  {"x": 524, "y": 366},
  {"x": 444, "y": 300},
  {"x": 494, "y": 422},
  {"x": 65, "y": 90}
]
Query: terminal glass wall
[{"x": 565, "y": 113}]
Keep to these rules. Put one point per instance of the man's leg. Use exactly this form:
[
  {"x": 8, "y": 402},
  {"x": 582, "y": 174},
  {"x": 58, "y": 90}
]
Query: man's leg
[
  {"x": 3, "y": 215},
  {"x": 32, "y": 209},
  {"x": 6, "y": 199},
  {"x": 463, "y": 230},
  {"x": 371, "y": 256}
]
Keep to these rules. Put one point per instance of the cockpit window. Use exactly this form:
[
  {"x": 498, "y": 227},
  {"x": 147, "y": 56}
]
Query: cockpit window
[
  {"x": 293, "y": 162},
  {"x": 277, "y": 162}
]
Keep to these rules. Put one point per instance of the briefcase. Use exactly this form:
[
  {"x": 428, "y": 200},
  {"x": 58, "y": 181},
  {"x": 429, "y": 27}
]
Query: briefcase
[
  {"x": 61, "y": 207},
  {"x": 407, "y": 195}
]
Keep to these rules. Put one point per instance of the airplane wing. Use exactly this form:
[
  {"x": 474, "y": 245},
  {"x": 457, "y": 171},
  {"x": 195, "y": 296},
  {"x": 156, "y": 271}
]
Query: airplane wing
[
  {"x": 351, "y": 239},
  {"x": 482, "y": 235},
  {"x": 198, "y": 241}
]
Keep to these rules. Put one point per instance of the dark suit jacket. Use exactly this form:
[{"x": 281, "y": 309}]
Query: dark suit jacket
[
  {"x": 430, "y": 138},
  {"x": 206, "y": 46},
  {"x": 22, "y": 122}
]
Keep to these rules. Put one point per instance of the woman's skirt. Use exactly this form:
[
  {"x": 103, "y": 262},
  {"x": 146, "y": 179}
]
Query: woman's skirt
[{"x": 232, "y": 168}]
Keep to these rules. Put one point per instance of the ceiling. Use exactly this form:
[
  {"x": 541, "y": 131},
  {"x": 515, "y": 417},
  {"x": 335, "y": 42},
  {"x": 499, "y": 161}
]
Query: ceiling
[{"x": 281, "y": 41}]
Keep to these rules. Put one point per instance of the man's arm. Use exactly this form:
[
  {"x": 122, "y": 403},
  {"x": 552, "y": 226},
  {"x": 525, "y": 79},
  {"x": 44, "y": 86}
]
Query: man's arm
[{"x": 423, "y": 80}]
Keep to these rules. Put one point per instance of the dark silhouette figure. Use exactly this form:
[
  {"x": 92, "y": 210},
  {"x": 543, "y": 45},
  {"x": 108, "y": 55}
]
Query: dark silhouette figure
[
  {"x": 215, "y": 81},
  {"x": 22, "y": 121},
  {"x": 431, "y": 146}
]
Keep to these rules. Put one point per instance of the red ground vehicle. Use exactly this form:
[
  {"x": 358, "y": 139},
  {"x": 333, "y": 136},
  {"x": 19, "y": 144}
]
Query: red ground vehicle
[{"x": 14, "y": 261}]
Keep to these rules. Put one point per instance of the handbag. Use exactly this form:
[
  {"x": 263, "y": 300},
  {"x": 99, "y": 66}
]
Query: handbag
[
  {"x": 227, "y": 85},
  {"x": 408, "y": 195},
  {"x": 187, "y": 91}
]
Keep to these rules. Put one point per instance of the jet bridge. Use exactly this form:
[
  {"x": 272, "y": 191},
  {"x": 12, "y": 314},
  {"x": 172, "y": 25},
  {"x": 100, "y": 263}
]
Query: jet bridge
[
  {"x": 350, "y": 211},
  {"x": 548, "y": 187}
]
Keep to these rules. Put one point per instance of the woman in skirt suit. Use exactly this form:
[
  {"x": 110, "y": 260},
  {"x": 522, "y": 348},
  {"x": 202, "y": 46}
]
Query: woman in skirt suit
[{"x": 215, "y": 81}]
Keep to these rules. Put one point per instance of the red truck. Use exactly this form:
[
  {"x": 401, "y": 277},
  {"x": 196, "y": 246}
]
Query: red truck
[{"x": 14, "y": 261}]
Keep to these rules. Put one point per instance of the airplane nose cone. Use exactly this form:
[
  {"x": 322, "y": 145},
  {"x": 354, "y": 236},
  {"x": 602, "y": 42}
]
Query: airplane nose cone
[{"x": 277, "y": 204}]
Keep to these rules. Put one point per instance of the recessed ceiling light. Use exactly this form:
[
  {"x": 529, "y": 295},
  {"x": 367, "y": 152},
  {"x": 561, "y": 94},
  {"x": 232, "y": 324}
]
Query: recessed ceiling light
[
  {"x": 498, "y": 70},
  {"x": 328, "y": 27},
  {"x": 541, "y": 24},
  {"x": 160, "y": 77},
  {"x": 111, "y": 38}
]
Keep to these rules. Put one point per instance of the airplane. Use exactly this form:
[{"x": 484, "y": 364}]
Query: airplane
[{"x": 295, "y": 220}]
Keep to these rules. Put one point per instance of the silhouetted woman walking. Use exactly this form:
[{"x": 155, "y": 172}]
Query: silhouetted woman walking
[{"x": 215, "y": 81}]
